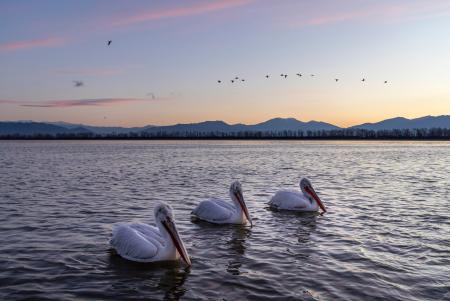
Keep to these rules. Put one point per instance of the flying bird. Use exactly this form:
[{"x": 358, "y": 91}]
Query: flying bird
[
  {"x": 219, "y": 211},
  {"x": 236, "y": 77},
  {"x": 243, "y": 80},
  {"x": 299, "y": 74},
  {"x": 363, "y": 80},
  {"x": 109, "y": 42},
  {"x": 78, "y": 83},
  {"x": 152, "y": 95},
  {"x": 336, "y": 79},
  {"x": 267, "y": 76},
  {"x": 312, "y": 74},
  {"x": 305, "y": 200},
  {"x": 385, "y": 81},
  {"x": 285, "y": 76},
  {"x": 219, "y": 81},
  {"x": 232, "y": 81}
]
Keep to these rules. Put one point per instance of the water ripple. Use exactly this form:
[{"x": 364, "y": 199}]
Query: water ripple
[{"x": 385, "y": 236}]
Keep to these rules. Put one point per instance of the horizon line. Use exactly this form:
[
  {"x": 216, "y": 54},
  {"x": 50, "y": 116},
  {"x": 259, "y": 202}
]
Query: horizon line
[{"x": 218, "y": 120}]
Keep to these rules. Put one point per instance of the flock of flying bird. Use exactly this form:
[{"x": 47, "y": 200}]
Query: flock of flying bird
[
  {"x": 233, "y": 80},
  {"x": 236, "y": 79},
  {"x": 145, "y": 243}
]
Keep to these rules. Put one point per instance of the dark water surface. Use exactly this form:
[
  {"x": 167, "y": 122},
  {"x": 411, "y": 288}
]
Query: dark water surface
[{"x": 386, "y": 236}]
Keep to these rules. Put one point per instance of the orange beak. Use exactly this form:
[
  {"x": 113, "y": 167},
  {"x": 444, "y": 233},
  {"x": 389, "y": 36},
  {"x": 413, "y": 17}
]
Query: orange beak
[
  {"x": 311, "y": 191},
  {"x": 173, "y": 232},
  {"x": 244, "y": 207}
]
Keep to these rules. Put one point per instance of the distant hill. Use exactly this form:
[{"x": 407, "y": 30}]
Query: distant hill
[
  {"x": 281, "y": 124},
  {"x": 33, "y": 128},
  {"x": 426, "y": 122},
  {"x": 276, "y": 125},
  {"x": 102, "y": 130}
]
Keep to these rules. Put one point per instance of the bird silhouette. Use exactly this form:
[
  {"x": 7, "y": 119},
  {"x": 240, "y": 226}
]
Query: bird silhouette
[
  {"x": 299, "y": 74},
  {"x": 363, "y": 80},
  {"x": 243, "y": 80},
  {"x": 312, "y": 75},
  {"x": 78, "y": 83},
  {"x": 267, "y": 76},
  {"x": 109, "y": 42},
  {"x": 385, "y": 81},
  {"x": 236, "y": 77},
  {"x": 336, "y": 79},
  {"x": 219, "y": 81},
  {"x": 232, "y": 81},
  {"x": 285, "y": 76},
  {"x": 281, "y": 74}
]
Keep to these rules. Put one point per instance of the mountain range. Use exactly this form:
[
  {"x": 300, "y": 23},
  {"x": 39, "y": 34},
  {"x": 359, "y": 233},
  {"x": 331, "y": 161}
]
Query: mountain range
[{"x": 272, "y": 125}]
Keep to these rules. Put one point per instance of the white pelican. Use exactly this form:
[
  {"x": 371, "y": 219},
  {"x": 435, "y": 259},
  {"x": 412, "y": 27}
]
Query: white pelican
[
  {"x": 305, "y": 201},
  {"x": 222, "y": 212},
  {"x": 144, "y": 243}
]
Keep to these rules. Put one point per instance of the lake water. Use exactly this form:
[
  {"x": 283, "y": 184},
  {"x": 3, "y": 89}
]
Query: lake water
[{"x": 386, "y": 235}]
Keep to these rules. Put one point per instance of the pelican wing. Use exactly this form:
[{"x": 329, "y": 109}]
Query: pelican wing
[
  {"x": 215, "y": 211},
  {"x": 290, "y": 200},
  {"x": 150, "y": 232},
  {"x": 134, "y": 244}
]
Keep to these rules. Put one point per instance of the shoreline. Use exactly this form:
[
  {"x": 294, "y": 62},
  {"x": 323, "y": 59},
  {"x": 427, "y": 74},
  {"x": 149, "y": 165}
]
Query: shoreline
[{"x": 220, "y": 139}]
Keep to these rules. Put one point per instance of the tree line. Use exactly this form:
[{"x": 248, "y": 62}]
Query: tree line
[{"x": 396, "y": 134}]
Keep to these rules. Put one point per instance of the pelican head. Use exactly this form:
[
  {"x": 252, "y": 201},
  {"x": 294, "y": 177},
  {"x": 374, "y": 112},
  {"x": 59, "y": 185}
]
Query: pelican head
[
  {"x": 164, "y": 216},
  {"x": 307, "y": 189},
  {"x": 237, "y": 196}
]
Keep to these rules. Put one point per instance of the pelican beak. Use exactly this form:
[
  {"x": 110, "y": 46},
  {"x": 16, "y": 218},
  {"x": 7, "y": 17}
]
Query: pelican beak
[
  {"x": 179, "y": 245},
  {"x": 313, "y": 193},
  {"x": 240, "y": 198}
]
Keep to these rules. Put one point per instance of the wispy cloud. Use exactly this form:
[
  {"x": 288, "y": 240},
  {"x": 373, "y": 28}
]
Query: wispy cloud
[
  {"x": 34, "y": 43},
  {"x": 7, "y": 101},
  {"x": 158, "y": 14},
  {"x": 377, "y": 12},
  {"x": 65, "y": 103},
  {"x": 85, "y": 102},
  {"x": 90, "y": 72}
]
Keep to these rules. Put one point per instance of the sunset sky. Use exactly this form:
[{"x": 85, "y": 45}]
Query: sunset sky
[{"x": 166, "y": 57}]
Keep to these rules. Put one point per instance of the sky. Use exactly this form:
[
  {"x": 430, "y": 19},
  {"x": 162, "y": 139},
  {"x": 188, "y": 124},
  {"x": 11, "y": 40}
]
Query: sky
[{"x": 166, "y": 57}]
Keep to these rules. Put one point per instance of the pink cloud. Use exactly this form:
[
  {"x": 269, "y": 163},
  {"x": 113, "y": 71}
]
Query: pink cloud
[
  {"x": 389, "y": 12},
  {"x": 7, "y": 101},
  {"x": 84, "y": 102},
  {"x": 35, "y": 43},
  {"x": 202, "y": 8},
  {"x": 90, "y": 71}
]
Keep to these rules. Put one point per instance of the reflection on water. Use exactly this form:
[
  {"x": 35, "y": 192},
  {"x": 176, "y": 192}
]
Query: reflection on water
[
  {"x": 384, "y": 237},
  {"x": 237, "y": 248},
  {"x": 299, "y": 225},
  {"x": 168, "y": 277}
]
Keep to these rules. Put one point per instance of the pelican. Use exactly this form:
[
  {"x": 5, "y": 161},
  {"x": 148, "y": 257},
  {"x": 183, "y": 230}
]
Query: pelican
[
  {"x": 144, "y": 243},
  {"x": 305, "y": 201},
  {"x": 222, "y": 212}
]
